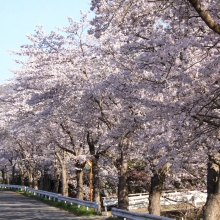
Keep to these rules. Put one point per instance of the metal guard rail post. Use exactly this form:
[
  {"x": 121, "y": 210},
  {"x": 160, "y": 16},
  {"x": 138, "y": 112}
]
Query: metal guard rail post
[
  {"x": 13, "y": 186},
  {"x": 79, "y": 202},
  {"x": 136, "y": 216}
]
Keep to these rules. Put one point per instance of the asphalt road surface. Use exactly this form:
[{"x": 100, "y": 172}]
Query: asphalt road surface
[{"x": 16, "y": 206}]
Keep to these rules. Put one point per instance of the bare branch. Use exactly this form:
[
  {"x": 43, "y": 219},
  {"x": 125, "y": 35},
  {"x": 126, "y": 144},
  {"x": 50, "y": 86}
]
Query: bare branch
[{"x": 206, "y": 17}]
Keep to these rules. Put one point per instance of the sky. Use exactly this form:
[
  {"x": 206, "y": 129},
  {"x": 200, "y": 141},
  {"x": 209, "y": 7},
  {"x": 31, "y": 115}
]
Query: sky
[{"x": 19, "y": 18}]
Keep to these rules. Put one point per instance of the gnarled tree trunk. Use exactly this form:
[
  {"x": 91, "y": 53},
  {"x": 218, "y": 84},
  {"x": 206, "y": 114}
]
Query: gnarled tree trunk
[
  {"x": 212, "y": 207},
  {"x": 157, "y": 181},
  {"x": 154, "y": 195}
]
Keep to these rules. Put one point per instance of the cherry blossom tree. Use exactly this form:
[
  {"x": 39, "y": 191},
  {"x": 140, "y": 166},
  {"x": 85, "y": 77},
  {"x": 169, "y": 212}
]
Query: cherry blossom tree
[
  {"x": 143, "y": 84},
  {"x": 179, "y": 56}
]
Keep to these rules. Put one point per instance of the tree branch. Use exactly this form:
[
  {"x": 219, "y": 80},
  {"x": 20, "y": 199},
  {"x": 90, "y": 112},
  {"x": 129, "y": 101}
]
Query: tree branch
[{"x": 206, "y": 17}]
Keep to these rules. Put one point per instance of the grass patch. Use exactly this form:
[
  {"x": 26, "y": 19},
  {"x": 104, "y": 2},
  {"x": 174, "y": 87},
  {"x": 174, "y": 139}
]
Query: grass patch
[
  {"x": 81, "y": 211},
  {"x": 5, "y": 189}
]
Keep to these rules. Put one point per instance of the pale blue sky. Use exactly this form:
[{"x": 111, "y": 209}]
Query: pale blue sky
[{"x": 20, "y": 17}]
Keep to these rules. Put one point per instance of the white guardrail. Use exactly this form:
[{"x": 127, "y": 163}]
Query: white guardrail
[
  {"x": 136, "y": 216},
  {"x": 54, "y": 196},
  {"x": 137, "y": 201}
]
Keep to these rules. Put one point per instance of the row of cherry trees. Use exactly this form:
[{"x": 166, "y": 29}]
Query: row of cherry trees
[{"x": 142, "y": 86}]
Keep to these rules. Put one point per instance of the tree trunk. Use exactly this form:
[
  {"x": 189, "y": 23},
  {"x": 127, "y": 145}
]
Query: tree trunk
[
  {"x": 95, "y": 173},
  {"x": 95, "y": 182},
  {"x": 157, "y": 181},
  {"x": 7, "y": 179},
  {"x": 30, "y": 179},
  {"x": 46, "y": 182},
  {"x": 3, "y": 176},
  {"x": 64, "y": 176},
  {"x": 35, "y": 179},
  {"x": 41, "y": 184},
  {"x": 13, "y": 175},
  {"x": 154, "y": 195},
  {"x": 122, "y": 184},
  {"x": 212, "y": 207},
  {"x": 79, "y": 178},
  {"x": 21, "y": 172},
  {"x": 56, "y": 181},
  {"x": 64, "y": 180}
]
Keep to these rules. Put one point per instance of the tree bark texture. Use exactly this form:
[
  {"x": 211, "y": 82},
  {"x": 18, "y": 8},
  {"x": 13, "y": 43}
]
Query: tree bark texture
[
  {"x": 35, "y": 179},
  {"x": 21, "y": 172},
  {"x": 44, "y": 183},
  {"x": 122, "y": 185},
  {"x": 154, "y": 195},
  {"x": 64, "y": 181},
  {"x": 7, "y": 178},
  {"x": 13, "y": 175},
  {"x": 56, "y": 181},
  {"x": 41, "y": 184},
  {"x": 157, "y": 181},
  {"x": 95, "y": 173},
  {"x": 3, "y": 176},
  {"x": 205, "y": 16},
  {"x": 30, "y": 178},
  {"x": 95, "y": 182},
  {"x": 64, "y": 176},
  {"x": 79, "y": 178},
  {"x": 212, "y": 207}
]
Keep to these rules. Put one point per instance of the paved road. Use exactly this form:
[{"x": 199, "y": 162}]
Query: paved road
[{"x": 16, "y": 206}]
